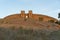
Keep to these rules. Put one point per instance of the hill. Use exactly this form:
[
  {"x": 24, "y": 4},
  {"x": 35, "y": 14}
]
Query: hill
[
  {"x": 29, "y": 26},
  {"x": 30, "y": 21}
]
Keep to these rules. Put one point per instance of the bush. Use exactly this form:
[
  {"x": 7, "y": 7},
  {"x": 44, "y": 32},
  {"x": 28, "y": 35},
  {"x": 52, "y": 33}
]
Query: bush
[
  {"x": 25, "y": 19},
  {"x": 52, "y": 21},
  {"x": 40, "y": 19},
  {"x": 12, "y": 28},
  {"x": 57, "y": 22}
]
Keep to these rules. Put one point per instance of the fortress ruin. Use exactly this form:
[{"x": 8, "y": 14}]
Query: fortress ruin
[{"x": 29, "y": 15}]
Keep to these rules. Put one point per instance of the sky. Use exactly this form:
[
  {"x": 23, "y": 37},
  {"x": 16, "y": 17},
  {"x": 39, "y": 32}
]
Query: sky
[{"x": 45, "y": 7}]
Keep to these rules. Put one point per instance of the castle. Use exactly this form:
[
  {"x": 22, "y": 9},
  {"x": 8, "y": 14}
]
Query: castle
[{"x": 29, "y": 15}]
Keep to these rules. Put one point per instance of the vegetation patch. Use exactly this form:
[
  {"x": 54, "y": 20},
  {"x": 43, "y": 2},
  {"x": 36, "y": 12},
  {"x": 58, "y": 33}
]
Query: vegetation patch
[{"x": 27, "y": 34}]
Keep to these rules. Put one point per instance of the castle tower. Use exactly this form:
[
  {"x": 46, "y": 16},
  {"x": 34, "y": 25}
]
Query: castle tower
[
  {"x": 22, "y": 13},
  {"x": 30, "y": 14}
]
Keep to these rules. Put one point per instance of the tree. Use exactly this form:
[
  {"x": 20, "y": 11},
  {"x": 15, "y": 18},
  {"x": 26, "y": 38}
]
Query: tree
[{"x": 57, "y": 22}]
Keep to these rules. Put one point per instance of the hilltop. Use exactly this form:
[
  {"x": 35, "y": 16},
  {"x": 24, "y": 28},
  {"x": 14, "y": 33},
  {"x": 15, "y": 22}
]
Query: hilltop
[{"x": 30, "y": 21}]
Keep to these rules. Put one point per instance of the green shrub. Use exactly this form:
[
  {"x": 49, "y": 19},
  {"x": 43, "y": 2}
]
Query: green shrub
[
  {"x": 52, "y": 21},
  {"x": 12, "y": 27},
  {"x": 57, "y": 22},
  {"x": 25, "y": 19},
  {"x": 40, "y": 19}
]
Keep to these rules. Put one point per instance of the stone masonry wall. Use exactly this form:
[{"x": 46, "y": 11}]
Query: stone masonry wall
[{"x": 29, "y": 15}]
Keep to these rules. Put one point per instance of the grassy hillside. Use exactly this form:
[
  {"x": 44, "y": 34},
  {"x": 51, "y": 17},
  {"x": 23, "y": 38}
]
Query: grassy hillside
[
  {"x": 28, "y": 29},
  {"x": 28, "y": 34}
]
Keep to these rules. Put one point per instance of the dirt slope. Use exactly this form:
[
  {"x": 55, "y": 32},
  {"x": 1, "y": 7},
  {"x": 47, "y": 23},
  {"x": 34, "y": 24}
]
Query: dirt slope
[{"x": 30, "y": 24}]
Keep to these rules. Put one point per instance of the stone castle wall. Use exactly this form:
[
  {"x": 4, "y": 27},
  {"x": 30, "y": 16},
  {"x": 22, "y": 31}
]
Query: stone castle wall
[{"x": 30, "y": 15}]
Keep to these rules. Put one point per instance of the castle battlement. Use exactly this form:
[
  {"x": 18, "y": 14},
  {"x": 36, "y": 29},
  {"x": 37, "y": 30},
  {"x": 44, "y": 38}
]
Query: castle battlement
[{"x": 29, "y": 14}]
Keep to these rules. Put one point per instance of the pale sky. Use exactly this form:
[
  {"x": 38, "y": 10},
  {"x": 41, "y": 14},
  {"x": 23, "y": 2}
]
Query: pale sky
[{"x": 45, "y": 7}]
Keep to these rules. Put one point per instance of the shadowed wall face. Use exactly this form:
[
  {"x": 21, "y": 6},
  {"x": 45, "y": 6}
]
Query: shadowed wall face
[
  {"x": 22, "y": 14},
  {"x": 30, "y": 14}
]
